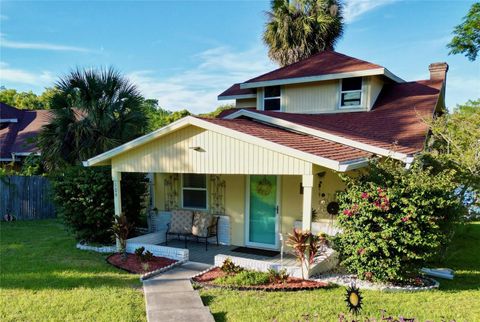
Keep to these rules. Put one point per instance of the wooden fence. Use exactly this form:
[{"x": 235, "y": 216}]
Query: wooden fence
[{"x": 26, "y": 197}]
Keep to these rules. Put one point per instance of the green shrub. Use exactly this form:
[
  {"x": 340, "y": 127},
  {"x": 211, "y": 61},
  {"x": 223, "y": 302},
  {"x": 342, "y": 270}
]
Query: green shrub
[
  {"x": 280, "y": 276},
  {"x": 394, "y": 219},
  {"x": 244, "y": 278},
  {"x": 84, "y": 201},
  {"x": 139, "y": 253},
  {"x": 229, "y": 267}
]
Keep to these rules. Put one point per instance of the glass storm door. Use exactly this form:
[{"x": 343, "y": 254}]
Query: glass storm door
[{"x": 262, "y": 216}]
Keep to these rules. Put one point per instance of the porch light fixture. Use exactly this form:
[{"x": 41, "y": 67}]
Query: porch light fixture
[{"x": 197, "y": 148}]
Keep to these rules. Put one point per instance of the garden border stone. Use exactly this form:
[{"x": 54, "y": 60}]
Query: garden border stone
[
  {"x": 98, "y": 249},
  {"x": 347, "y": 280}
]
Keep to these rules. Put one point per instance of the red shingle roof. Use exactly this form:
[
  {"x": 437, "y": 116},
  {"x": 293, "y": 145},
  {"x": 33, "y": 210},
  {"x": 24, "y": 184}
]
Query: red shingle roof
[
  {"x": 16, "y": 137},
  {"x": 235, "y": 90},
  {"x": 323, "y": 63},
  {"x": 394, "y": 123},
  {"x": 301, "y": 142}
]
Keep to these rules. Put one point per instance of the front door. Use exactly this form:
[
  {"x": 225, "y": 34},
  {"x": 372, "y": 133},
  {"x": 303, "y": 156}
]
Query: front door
[{"x": 262, "y": 214}]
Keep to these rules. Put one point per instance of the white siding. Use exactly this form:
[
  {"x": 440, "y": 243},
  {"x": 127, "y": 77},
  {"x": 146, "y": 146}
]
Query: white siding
[{"x": 220, "y": 154}]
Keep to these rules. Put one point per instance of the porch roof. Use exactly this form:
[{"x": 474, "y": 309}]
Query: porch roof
[{"x": 243, "y": 141}]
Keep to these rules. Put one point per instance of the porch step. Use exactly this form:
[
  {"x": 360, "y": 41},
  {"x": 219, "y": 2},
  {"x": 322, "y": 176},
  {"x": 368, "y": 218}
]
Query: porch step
[
  {"x": 180, "y": 315},
  {"x": 175, "y": 300}
]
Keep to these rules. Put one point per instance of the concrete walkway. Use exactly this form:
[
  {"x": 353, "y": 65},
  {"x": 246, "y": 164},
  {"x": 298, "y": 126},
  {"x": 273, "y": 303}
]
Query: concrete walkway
[{"x": 170, "y": 296}]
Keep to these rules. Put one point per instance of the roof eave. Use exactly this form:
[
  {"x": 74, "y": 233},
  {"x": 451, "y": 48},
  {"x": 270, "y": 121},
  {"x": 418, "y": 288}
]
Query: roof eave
[
  {"x": 308, "y": 79},
  {"x": 235, "y": 97}
]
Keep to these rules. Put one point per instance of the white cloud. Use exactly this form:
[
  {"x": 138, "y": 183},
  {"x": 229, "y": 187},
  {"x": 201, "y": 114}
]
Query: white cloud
[
  {"x": 196, "y": 89},
  {"x": 38, "y": 46},
  {"x": 355, "y": 8},
  {"x": 19, "y": 76}
]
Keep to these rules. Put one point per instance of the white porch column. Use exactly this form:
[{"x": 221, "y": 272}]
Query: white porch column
[
  {"x": 117, "y": 197},
  {"x": 117, "y": 192},
  {"x": 307, "y": 184}
]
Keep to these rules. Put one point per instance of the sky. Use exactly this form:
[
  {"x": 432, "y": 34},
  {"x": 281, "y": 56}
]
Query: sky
[{"x": 184, "y": 53}]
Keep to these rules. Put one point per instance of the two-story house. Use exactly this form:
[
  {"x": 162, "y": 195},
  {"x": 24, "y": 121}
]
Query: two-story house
[{"x": 264, "y": 165}]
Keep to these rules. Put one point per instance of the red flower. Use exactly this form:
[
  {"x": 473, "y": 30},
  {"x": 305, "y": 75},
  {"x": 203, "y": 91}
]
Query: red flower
[
  {"x": 361, "y": 251},
  {"x": 365, "y": 195},
  {"x": 348, "y": 212}
]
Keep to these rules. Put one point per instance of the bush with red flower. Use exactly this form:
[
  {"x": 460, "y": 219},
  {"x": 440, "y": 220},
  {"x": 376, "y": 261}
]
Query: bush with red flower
[{"x": 394, "y": 219}]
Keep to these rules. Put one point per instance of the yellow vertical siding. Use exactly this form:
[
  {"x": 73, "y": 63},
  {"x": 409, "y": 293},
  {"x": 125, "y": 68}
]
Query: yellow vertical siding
[
  {"x": 376, "y": 85},
  {"x": 246, "y": 103},
  {"x": 311, "y": 97},
  {"x": 219, "y": 154},
  {"x": 235, "y": 206}
]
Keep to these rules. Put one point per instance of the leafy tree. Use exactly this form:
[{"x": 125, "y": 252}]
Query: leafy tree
[
  {"x": 394, "y": 219},
  {"x": 159, "y": 117},
  {"x": 467, "y": 34},
  {"x": 94, "y": 110},
  {"x": 455, "y": 143},
  {"x": 27, "y": 100},
  {"x": 298, "y": 29},
  {"x": 218, "y": 110}
]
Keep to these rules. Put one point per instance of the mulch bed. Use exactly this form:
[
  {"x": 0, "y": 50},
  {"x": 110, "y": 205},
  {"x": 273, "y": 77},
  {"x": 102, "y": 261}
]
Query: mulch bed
[
  {"x": 292, "y": 284},
  {"x": 134, "y": 266}
]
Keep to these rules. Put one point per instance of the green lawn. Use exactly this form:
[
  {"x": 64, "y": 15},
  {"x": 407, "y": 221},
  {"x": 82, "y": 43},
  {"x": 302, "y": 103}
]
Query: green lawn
[
  {"x": 457, "y": 299},
  {"x": 43, "y": 277}
]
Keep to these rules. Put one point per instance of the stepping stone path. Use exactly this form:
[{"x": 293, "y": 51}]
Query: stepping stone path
[{"x": 170, "y": 296}]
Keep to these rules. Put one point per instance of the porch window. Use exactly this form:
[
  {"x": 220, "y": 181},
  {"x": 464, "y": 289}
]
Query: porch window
[
  {"x": 194, "y": 191},
  {"x": 351, "y": 93},
  {"x": 271, "y": 100}
]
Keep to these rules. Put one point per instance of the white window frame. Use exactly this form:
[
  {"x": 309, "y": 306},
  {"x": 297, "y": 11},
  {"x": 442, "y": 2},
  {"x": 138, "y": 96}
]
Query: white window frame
[
  {"x": 354, "y": 91},
  {"x": 273, "y": 97},
  {"x": 197, "y": 189}
]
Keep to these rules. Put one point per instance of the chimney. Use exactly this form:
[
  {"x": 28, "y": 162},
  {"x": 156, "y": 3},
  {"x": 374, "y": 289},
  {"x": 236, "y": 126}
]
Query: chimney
[{"x": 438, "y": 71}]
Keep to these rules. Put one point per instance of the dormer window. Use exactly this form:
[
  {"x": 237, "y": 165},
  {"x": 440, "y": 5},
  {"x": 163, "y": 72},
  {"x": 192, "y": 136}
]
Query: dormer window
[
  {"x": 271, "y": 98},
  {"x": 351, "y": 93}
]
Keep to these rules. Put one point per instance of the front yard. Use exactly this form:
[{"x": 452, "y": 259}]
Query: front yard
[
  {"x": 43, "y": 277},
  {"x": 457, "y": 299}
]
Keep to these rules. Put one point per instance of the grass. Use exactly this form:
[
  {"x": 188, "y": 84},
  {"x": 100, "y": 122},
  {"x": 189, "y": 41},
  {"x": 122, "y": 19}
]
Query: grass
[
  {"x": 43, "y": 277},
  {"x": 456, "y": 299}
]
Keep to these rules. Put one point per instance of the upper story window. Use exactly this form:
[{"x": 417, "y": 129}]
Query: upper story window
[
  {"x": 351, "y": 93},
  {"x": 271, "y": 98},
  {"x": 194, "y": 191}
]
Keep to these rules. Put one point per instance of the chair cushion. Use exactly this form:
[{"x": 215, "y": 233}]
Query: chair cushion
[
  {"x": 181, "y": 222},
  {"x": 201, "y": 222}
]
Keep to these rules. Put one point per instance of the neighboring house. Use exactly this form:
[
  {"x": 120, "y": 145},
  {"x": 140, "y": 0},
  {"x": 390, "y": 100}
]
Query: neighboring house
[
  {"x": 267, "y": 163},
  {"x": 17, "y": 130}
]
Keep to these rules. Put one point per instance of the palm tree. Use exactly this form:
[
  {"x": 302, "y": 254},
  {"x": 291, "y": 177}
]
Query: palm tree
[
  {"x": 93, "y": 111},
  {"x": 297, "y": 29}
]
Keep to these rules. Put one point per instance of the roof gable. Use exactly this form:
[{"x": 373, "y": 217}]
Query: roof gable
[{"x": 322, "y": 63}]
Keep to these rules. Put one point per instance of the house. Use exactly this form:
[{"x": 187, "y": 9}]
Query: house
[
  {"x": 17, "y": 129},
  {"x": 265, "y": 164}
]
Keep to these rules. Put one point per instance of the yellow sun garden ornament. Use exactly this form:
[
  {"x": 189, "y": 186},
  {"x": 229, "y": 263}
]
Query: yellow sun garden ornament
[{"x": 353, "y": 299}]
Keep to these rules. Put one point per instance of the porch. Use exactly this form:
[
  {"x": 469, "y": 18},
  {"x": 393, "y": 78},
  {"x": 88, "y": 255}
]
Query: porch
[{"x": 197, "y": 253}]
